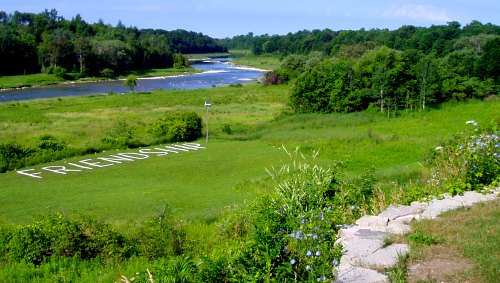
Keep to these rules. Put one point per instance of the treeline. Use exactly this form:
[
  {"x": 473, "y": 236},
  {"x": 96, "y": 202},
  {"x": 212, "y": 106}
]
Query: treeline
[
  {"x": 408, "y": 68},
  {"x": 439, "y": 39},
  {"x": 30, "y": 43}
]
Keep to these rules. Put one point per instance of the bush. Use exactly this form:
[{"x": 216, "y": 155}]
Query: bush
[
  {"x": 290, "y": 233},
  {"x": 13, "y": 155},
  {"x": 55, "y": 235},
  {"x": 50, "y": 143},
  {"x": 160, "y": 236},
  {"x": 469, "y": 161},
  {"x": 178, "y": 127},
  {"x": 121, "y": 135}
]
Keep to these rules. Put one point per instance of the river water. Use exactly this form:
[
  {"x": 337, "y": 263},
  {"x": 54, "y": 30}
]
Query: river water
[{"x": 215, "y": 72}]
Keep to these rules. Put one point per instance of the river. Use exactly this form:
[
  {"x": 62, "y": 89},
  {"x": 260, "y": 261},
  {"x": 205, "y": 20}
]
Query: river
[{"x": 215, "y": 72}]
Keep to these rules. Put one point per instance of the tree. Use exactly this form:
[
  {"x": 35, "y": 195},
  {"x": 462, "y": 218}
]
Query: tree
[
  {"x": 131, "y": 82},
  {"x": 425, "y": 71}
]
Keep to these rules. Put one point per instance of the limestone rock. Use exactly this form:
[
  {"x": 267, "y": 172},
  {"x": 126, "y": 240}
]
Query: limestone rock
[
  {"x": 359, "y": 274},
  {"x": 394, "y": 212},
  {"x": 437, "y": 207},
  {"x": 385, "y": 257},
  {"x": 372, "y": 221}
]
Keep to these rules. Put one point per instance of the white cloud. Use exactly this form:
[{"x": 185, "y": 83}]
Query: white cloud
[{"x": 416, "y": 12}]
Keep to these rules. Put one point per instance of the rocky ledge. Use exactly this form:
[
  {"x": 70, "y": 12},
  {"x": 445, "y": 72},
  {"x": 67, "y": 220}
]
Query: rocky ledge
[{"x": 365, "y": 253}]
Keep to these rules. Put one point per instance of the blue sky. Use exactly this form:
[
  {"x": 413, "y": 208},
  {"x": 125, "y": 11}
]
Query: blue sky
[{"x": 220, "y": 19}]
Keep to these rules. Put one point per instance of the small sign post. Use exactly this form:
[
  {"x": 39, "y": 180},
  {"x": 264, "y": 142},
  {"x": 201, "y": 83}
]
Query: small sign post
[{"x": 208, "y": 104}]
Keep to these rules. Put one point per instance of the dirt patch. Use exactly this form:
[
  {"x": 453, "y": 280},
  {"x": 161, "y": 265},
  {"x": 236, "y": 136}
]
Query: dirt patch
[{"x": 441, "y": 263}]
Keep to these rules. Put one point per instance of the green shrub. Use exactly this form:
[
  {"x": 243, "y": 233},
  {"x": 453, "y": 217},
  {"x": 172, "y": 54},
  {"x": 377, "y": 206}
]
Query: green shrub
[
  {"x": 469, "y": 161},
  {"x": 13, "y": 155},
  {"x": 159, "y": 236},
  {"x": 60, "y": 72},
  {"x": 290, "y": 233},
  {"x": 178, "y": 127},
  {"x": 423, "y": 239},
  {"x": 122, "y": 135},
  {"x": 50, "y": 143}
]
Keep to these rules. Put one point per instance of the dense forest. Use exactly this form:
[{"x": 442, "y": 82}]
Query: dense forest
[
  {"x": 407, "y": 68},
  {"x": 30, "y": 43}
]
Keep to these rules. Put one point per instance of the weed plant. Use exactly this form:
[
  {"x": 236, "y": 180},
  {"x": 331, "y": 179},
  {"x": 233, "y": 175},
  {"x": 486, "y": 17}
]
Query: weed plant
[{"x": 468, "y": 161}]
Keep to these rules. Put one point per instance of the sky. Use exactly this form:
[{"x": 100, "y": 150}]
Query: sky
[{"x": 220, "y": 19}]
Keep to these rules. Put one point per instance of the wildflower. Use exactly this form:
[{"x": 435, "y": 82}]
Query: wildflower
[
  {"x": 285, "y": 251},
  {"x": 321, "y": 216},
  {"x": 303, "y": 221},
  {"x": 277, "y": 239},
  {"x": 353, "y": 207},
  {"x": 309, "y": 235},
  {"x": 309, "y": 253},
  {"x": 293, "y": 261},
  {"x": 292, "y": 235},
  {"x": 318, "y": 253},
  {"x": 329, "y": 208},
  {"x": 282, "y": 230},
  {"x": 475, "y": 124},
  {"x": 473, "y": 167},
  {"x": 335, "y": 262},
  {"x": 316, "y": 228},
  {"x": 315, "y": 237},
  {"x": 497, "y": 145},
  {"x": 323, "y": 278},
  {"x": 461, "y": 147},
  {"x": 308, "y": 267}
]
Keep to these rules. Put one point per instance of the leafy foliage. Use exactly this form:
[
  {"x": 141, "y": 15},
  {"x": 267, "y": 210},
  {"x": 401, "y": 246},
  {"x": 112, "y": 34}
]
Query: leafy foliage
[
  {"x": 178, "y": 127},
  {"x": 45, "y": 41},
  {"x": 121, "y": 135},
  {"x": 469, "y": 161}
]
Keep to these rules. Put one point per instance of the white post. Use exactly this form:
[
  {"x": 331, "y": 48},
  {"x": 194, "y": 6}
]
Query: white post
[{"x": 208, "y": 104}]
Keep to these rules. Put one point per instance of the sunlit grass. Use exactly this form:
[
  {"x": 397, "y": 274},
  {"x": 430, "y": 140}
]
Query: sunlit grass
[
  {"x": 469, "y": 234},
  {"x": 28, "y": 80},
  {"x": 265, "y": 61}
]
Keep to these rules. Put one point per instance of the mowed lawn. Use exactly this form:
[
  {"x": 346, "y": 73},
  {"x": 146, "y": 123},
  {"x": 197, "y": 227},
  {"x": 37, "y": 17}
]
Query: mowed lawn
[{"x": 194, "y": 184}]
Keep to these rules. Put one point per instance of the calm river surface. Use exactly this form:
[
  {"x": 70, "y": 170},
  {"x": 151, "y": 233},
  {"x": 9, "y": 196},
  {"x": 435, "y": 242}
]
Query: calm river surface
[{"x": 216, "y": 72}]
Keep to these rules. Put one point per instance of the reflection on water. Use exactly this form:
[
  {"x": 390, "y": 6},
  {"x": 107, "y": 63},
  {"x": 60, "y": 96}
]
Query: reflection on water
[{"x": 216, "y": 72}]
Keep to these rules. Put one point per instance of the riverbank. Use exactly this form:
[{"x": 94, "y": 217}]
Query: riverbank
[{"x": 41, "y": 80}]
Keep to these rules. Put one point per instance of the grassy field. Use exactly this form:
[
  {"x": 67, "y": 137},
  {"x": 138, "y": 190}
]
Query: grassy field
[
  {"x": 246, "y": 58},
  {"x": 201, "y": 183},
  {"x": 456, "y": 247},
  {"x": 196, "y": 184},
  {"x": 29, "y": 80}
]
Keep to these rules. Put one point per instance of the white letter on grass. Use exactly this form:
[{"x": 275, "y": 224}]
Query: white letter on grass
[{"x": 33, "y": 175}]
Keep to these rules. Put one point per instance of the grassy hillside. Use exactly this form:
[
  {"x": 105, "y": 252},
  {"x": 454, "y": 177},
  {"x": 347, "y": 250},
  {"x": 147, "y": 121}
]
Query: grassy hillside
[{"x": 201, "y": 183}]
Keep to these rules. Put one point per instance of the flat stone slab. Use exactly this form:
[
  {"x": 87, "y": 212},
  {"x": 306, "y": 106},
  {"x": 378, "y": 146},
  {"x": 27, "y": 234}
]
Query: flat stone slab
[
  {"x": 356, "y": 250},
  {"x": 398, "y": 228},
  {"x": 386, "y": 257},
  {"x": 372, "y": 221},
  {"x": 393, "y": 212},
  {"x": 436, "y": 207},
  {"x": 358, "y": 232},
  {"x": 358, "y": 274},
  {"x": 470, "y": 198}
]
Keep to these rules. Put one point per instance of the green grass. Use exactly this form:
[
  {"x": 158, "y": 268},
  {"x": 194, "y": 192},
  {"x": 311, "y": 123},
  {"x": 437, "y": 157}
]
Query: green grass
[
  {"x": 246, "y": 58},
  {"x": 468, "y": 236},
  {"x": 162, "y": 72},
  {"x": 207, "y": 55},
  {"x": 196, "y": 184},
  {"x": 395, "y": 148},
  {"x": 28, "y": 80},
  {"x": 41, "y": 79}
]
